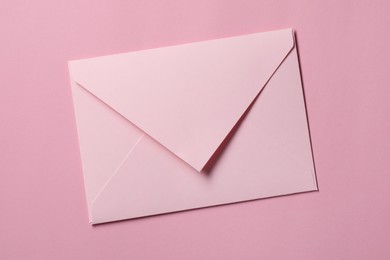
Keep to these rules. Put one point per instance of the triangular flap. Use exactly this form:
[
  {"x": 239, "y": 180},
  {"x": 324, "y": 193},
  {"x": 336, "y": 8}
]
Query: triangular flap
[{"x": 187, "y": 97}]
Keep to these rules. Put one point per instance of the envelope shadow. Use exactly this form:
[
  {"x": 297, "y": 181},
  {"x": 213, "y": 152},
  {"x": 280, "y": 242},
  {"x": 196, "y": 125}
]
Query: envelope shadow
[
  {"x": 307, "y": 115},
  {"x": 213, "y": 161}
]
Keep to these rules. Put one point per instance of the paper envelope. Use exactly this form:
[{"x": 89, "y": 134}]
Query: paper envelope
[{"x": 192, "y": 126}]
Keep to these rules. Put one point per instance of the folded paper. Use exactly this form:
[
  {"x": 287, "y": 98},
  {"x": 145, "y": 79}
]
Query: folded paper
[{"x": 192, "y": 126}]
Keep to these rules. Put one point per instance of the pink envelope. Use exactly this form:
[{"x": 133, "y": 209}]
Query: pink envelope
[{"x": 192, "y": 126}]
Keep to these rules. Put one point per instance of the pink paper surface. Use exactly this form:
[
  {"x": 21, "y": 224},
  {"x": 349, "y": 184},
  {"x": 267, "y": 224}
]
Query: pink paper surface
[{"x": 344, "y": 56}]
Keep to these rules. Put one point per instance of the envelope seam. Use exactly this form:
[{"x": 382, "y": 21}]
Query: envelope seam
[{"x": 116, "y": 170}]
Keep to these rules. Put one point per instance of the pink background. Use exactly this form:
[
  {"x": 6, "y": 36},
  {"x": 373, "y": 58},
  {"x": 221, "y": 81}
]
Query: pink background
[{"x": 345, "y": 60}]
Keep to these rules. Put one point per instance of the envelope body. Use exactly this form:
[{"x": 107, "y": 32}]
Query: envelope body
[{"x": 192, "y": 126}]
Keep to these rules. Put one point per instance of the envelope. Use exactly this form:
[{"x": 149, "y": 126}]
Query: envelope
[{"x": 192, "y": 126}]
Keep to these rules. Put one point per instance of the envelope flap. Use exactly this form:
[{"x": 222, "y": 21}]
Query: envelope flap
[{"x": 187, "y": 97}]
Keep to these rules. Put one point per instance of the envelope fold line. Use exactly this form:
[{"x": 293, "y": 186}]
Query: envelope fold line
[{"x": 117, "y": 169}]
